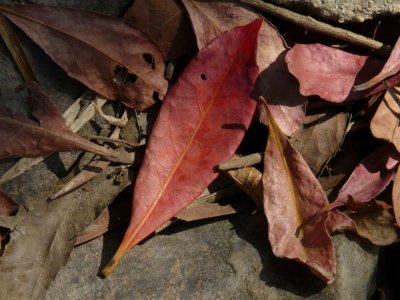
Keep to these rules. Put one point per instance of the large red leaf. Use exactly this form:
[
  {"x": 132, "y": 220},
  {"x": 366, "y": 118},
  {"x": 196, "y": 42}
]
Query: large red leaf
[
  {"x": 292, "y": 196},
  {"x": 201, "y": 123},
  {"x": 20, "y": 136},
  {"x": 331, "y": 73},
  {"x": 275, "y": 83},
  {"x": 105, "y": 53},
  {"x": 391, "y": 67}
]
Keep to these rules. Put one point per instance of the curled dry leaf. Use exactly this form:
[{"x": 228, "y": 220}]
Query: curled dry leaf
[
  {"x": 249, "y": 179},
  {"x": 210, "y": 19},
  {"x": 105, "y": 53},
  {"x": 376, "y": 223},
  {"x": 331, "y": 73},
  {"x": 320, "y": 137},
  {"x": 385, "y": 122},
  {"x": 7, "y": 206},
  {"x": 20, "y": 136},
  {"x": 165, "y": 22},
  {"x": 391, "y": 67},
  {"x": 191, "y": 135},
  {"x": 292, "y": 195}
]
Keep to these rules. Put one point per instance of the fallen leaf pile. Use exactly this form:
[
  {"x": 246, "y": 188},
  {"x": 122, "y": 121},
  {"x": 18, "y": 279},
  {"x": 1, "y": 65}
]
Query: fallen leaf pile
[{"x": 215, "y": 69}]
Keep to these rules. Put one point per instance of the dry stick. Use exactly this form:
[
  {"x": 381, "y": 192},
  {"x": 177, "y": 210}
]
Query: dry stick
[
  {"x": 13, "y": 45},
  {"x": 318, "y": 26},
  {"x": 242, "y": 162}
]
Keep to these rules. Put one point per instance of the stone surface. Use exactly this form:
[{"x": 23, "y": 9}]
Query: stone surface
[
  {"x": 223, "y": 259},
  {"x": 344, "y": 10}
]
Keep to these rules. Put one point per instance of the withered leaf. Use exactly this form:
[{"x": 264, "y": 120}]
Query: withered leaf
[
  {"x": 292, "y": 195},
  {"x": 7, "y": 206},
  {"x": 165, "y": 22},
  {"x": 210, "y": 19},
  {"x": 44, "y": 236},
  {"x": 331, "y": 73},
  {"x": 20, "y": 136},
  {"x": 105, "y": 53},
  {"x": 385, "y": 122},
  {"x": 191, "y": 135},
  {"x": 376, "y": 224},
  {"x": 391, "y": 67},
  {"x": 319, "y": 138}
]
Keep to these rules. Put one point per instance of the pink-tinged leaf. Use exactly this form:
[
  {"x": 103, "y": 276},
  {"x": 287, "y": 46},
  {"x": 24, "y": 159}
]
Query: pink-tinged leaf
[
  {"x": 385, "y": 122},
  {"x": 210, "y": 19},
  {"x": 292, "y": 196},
  {"x": 391, "y": 67},
  {"x": 105, "y": 53},
  {"x": 201, "y": 123},
  {"x": 331, "y": 73},
  {"x": 47, "y": 133},
  {"x": 7, "y": 206},
  {"x": 371, "y": 176}
]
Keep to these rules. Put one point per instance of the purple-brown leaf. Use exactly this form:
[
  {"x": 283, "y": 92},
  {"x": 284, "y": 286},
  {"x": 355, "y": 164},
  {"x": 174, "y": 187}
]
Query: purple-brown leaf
[
  {"x": 7, "y": 206},
  {"x": 105, "y": 53},
  {"x": 292, "y": 196}
]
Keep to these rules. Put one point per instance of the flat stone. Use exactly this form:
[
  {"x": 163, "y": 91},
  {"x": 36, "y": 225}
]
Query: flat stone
[
  {"x": 225, "y": 259},
  {"x": 344, "y": 10}
]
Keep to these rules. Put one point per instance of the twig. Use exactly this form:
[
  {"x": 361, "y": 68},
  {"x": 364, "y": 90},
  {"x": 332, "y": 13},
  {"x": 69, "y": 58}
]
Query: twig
[
  {"x": 318, "y": 26},
  {"x": 241, "y": 162},
  {"x": 112, "y": 140}
]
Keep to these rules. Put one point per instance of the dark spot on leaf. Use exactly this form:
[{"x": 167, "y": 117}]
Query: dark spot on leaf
[
  {"x": 203, "y": 76},
  {"x": 150, "y": 60},
  {"x": 131, "y": 78}
]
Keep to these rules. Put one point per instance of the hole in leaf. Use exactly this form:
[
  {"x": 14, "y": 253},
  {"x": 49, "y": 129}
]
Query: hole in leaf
[
  {"x": 149, "y": 59},
  {"x": 131, "y": 78},
  {"x": 203, "y": 76},
  {"x": 121, "y": 76},
  {"x": 156, "y": 96}
]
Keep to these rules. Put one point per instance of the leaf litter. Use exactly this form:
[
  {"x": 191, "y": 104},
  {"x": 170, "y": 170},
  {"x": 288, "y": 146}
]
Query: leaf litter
[{"x": 207, "y": 110}]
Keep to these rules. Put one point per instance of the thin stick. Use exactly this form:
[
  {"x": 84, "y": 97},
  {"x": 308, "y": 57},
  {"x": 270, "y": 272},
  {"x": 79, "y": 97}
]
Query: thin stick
[
  {"x": 112, "y": 140},
  {"x": 242, "y": 162},
  {"x": 318, "y": 26}
]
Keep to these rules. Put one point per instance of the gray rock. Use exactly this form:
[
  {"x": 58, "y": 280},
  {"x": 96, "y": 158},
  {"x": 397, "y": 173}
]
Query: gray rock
[
  {"x": 344, "y": 10},
  {"x": 225, "y": 259}
]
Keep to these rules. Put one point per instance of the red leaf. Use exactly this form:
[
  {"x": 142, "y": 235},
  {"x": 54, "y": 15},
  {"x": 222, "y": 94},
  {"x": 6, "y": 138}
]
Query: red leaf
[
  {"x": 7, "y": 206},
  {"x": 20, "y": 136},
  {"x": 391, "y": 67},
  {"x": 105, "y": 53},
  {"x": 292, "y": 196},
  {"x": 201, "y": 123},
  {"x": 331, "y": 73},
  {"x": 371, "y": 176},
  {"x": 275, "y": 83}
]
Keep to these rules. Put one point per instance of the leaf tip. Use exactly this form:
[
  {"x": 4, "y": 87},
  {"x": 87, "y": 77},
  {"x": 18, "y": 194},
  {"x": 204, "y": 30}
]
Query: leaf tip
[{"x": 109, "y": 268}]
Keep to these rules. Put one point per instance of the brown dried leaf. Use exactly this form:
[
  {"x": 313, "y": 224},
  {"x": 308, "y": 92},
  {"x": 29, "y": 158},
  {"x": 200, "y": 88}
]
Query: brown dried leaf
[
  {"x": 166, "y": 24},
  {"x": 376, "y": 223},
  {"x": 210, "y": 19},
  {"x": 105, "y": 53},
  {"x": 396, "y": 197},
  {"x": 385, "y": 122},
  {"x": 292, "y": 195},
  {"x": 20, "y": 136},
  {"x": 44, "y": 236},
  {"x": 319, "y": 138}
]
